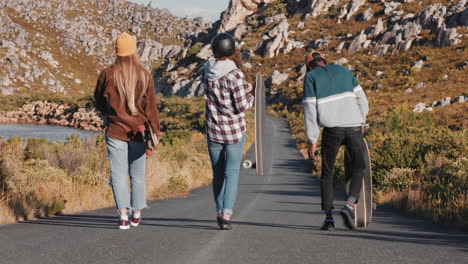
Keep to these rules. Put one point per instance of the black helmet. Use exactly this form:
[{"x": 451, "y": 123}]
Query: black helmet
[{"x": 223, "y": 45}]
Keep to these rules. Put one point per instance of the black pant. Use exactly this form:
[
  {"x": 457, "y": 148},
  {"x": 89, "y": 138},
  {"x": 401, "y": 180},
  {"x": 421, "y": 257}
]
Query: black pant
[{"x": 353, "y": 140}]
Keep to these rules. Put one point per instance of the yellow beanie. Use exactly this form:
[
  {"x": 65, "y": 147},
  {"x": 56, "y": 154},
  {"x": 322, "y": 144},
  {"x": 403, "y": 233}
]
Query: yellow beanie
[{"x": 125, "y": 45}]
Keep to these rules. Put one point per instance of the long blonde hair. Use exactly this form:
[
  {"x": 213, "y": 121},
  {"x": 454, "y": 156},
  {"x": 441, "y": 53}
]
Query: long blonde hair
[{"x": 128, "y": 72}]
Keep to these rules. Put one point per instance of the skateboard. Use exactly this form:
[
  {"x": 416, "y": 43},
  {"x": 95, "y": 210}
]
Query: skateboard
[
  {"x": 259, "y": 127},
  {"x": 364, "y": 206}
]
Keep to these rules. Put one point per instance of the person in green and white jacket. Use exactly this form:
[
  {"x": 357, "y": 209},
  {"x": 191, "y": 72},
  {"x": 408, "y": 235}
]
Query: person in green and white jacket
[{"x": 334, "y": 100}]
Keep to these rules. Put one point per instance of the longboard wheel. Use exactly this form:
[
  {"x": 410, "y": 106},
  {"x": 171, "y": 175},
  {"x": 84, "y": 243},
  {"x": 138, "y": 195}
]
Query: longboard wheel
[{"x": 247, "y": 164}]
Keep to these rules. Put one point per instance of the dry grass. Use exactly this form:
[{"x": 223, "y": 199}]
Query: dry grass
[{"x": 38, "y": 189}]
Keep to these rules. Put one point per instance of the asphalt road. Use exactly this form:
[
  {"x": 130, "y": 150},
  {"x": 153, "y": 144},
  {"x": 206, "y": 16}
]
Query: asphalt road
[{"x": 276, "y": 220}]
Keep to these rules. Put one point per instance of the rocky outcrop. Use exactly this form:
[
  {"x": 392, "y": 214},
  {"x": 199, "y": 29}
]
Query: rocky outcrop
[
  {"x": 151, "y": 50},
  {"x": 318, "y": 7},
  {"x": 359, "y": 42},
  {"x": 48, "y": 42},
  {"x": 420, "y": 107},
  {"x": 179, "y": 80},
  {"x": 447, "y": 37},
  {"x": 366, "y": 15},
  {"x": 350, "y": 9},
  {"x": 432, "y": 17},
  {"x": 275, "y": 41},
  {"x": 277, "y": 78},
  {"x": 237, "y": 11},
  {"x": 55, "y": 114}
]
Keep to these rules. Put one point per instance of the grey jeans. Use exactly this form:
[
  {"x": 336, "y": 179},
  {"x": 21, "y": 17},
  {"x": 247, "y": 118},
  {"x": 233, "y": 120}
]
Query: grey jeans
[{"x": 127, "y": 158}]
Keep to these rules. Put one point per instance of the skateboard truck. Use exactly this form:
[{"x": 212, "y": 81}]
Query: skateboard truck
[{"x": 141, "y": 130}]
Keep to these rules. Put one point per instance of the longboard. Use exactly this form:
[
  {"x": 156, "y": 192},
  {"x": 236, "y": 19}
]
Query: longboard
[
  {"x": 259, "y": 127},
  {"x": 364, "y": 207}
]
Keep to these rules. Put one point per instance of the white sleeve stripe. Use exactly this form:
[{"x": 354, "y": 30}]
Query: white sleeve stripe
[
  {"x": 309, "y": 100},
  {"x": 357, "y": 88},
  {"x": 336, "y": 97}
]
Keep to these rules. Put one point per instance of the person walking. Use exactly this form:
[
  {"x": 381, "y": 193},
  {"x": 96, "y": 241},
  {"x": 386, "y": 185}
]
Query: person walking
[
  {"x": 334, "y": 99},
  {"x": 227, "y": 98},
  {"x": 125, "y": 96}
]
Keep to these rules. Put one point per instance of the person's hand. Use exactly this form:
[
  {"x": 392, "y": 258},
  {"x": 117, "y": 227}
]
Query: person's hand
[
  {"x": 252, "y": 89},
  {"x": 311, "y": 151},
  {"x": 363, "y": 129}
]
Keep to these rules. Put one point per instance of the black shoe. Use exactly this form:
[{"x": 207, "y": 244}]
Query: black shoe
[
  {"x": 219, "y": 220},
  {"x": 328, "y": 225},
  {"x": 348, "y": 216},
  {"x": 225, "y": 224}
]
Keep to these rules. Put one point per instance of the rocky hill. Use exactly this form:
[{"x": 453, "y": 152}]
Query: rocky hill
[
  {"x": 403, "y": 51},
  {"x": 59, "y": 46}
]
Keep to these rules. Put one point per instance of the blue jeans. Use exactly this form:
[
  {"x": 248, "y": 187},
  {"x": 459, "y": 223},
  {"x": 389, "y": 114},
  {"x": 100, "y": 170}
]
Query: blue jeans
[
  {"x": 127, "y": 158},
  {"x": 225, "y": 161}
]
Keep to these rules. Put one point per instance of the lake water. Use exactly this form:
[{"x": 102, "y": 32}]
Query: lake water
[{"x": 51, "y": 133}]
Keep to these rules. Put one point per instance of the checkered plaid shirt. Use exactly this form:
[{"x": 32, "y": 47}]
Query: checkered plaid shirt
[{"x": 227, "y": 99}]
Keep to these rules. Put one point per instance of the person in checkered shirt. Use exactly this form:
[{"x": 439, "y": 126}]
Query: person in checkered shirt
[{"x": 228, "y": 96}]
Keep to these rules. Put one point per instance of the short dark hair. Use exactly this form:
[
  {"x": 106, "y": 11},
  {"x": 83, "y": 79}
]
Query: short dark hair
[{"x": 317, "y": 57}]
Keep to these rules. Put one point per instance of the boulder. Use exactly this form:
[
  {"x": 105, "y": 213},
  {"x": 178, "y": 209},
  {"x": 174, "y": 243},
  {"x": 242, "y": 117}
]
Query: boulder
[
  {"x": 274, "y": 19},
  {"x": 366, "y": 15},
  {"x": 7, "y": 91},
  {"x": 317, "y": 7},
  {"x": 418, "y": 108},
  {"x": 340, "y": 47},
  {"x": 432, "y": 17},
  {"x": 277, "y": 78},
  {"x": 57, "y": 88},
  {"x": 237, "y": 11},
  {"x": 240, "y": 31},
  {"x": 292, "y": 45},
  {"x": 447, "y": 37},
  {"x": 5, "y": 81},
  {"x": 411, "y": 30},
  {"x": 418, "y": 64},
  {"x": 278, "y": 39},
  {"x": 341, "y": 61},
  {"x": 47, "y": 56},
  {"x": 445, "y": 101},
  {"x": 389, "y": 7},
  {"x": 319, "y": 44},
  {"x": 358, "y": 43},
  {"x": 460, "y": 99},
  {"x": 205, "y": 53},
  {"x": 350, "y": 9}
]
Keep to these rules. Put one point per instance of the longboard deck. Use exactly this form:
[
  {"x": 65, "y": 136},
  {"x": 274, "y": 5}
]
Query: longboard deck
[
  {"x": 364, "y": 207},
  {"x": 259, "y": 123}
]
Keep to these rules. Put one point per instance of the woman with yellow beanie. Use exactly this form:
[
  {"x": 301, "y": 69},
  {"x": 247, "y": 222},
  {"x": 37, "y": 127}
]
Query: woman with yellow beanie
[{"x": 125, "y": 95}]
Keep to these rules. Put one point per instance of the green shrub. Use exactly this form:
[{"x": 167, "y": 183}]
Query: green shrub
[
  {"x": 176, "y": 137},
  {"x": 193, "y": 50},
  {"x": 177, "y": 184}
]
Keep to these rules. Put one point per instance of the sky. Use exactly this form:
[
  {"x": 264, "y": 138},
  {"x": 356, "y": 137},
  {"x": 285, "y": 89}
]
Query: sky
[{"x": 208, "y": 9}]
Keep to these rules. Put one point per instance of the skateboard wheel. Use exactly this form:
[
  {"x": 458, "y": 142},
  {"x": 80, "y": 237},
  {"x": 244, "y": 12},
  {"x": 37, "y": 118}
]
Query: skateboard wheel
[{"x": 247, "y": 164}]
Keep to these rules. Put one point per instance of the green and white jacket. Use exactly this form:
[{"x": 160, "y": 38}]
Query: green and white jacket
[{"x": 332, "y": 98}]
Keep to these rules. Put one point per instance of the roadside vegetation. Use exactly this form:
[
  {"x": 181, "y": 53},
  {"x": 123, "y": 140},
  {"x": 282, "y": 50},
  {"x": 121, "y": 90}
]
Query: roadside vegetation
[{"x": 419, "y": 163}]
